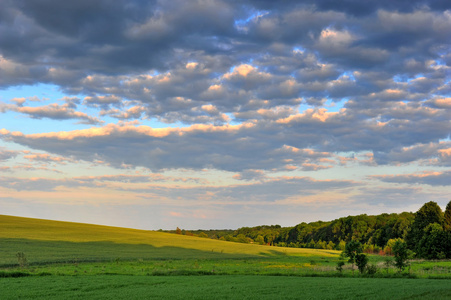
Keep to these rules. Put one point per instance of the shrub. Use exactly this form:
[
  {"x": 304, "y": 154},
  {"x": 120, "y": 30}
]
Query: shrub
[
  {"x": 361, "y": 260},
  {"x": 21, "y": 259},
  {"x": 371, "y": 269},
  {"x": 339, "y": 266}
]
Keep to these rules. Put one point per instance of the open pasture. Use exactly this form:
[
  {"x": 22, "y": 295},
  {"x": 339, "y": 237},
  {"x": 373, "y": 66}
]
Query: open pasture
[
  {"x": 100, "y": 262},
  {"x": 220, "y": 287}
]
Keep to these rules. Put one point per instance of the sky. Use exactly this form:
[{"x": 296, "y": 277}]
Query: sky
[{"x": 215, "y": 114}]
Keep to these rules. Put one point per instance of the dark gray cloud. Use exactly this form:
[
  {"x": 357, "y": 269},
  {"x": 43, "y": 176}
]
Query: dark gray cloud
[
  {"x": 317, "y": 76},
  {"x": 7, "y": 154},
  {"x": 52, "y": 111}
]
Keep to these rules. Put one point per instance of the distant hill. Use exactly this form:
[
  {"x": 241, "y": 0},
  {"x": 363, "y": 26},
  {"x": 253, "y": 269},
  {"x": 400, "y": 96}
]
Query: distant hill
[{"x": 46, "y": 240}]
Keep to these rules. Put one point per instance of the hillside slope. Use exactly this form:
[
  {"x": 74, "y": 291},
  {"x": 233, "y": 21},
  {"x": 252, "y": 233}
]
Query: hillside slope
[{"x": 44, "y": 240}]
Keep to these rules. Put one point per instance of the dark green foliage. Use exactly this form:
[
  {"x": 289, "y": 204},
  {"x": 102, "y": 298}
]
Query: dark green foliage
[
  {"x": 361, "y": 260},
  {"x": 429, "y": 213},
  {"x": 373, "y": 232},
  {"x": 371, "y": 269},
  {"x": 14, "y": 274},
  {"x": 435, "y": 243},
  {"x": 447, "y": 217},
  {"x": 353, "y": 248},
  {"x": 401, "y": 254},
  {"x": 340, "y": 265},
  {"x": 370, "y": 230}
]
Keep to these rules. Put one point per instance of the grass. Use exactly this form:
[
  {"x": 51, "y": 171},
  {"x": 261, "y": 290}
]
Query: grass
[
  {"x": 220, "y": 287},
  {"x": 70, "y": 260}
]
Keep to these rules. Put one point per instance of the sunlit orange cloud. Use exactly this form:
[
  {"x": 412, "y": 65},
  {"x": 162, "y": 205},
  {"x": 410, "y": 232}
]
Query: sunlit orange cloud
[
  {"x": 241, "y": 70},
  {"x": 445, "y": 152},
  {"x": 290, "y": 167},
  {"x": 175, "y": 214},
  {"x": 314, "y": 167},
  {"x": 46, "y": 157},
  {"x": 319, "y": 199},
  {"x": 310, "y": 114},
  {"x": 443, "y": 102},
  {"x": 144, "y": 130},
  {"x": 306, "y": 151},
  {"x": 423, "y": 174}
]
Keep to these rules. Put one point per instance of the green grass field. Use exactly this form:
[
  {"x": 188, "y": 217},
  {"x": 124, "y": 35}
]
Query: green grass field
[
  {"x": 220, "y": 287},
  {"x": 99, "y": 262}
]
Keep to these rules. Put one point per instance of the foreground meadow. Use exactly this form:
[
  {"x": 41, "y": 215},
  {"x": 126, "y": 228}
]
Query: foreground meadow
[
  {"x": 220, "y": 287},
  {"x": 68, "y": 260}
]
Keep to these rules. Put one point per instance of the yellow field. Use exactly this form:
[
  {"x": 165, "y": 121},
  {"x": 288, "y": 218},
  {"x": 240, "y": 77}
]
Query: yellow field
[{"x": 46, "y": 230}]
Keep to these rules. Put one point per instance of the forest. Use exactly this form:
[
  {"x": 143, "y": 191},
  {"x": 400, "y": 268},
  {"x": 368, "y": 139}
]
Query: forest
[{"x": 427, "y": 233}]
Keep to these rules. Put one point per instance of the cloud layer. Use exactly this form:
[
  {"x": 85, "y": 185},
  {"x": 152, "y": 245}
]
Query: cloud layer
[{"x": 254, "y": 91}]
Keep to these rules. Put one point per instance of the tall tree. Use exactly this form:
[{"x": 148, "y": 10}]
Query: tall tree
[
  {"x": 429, "y": 213},
  {"x": 361, "y": 260},
  {"x": 401, "y": 254},
  {"x": 352, "y": 249},
  {"x": 447, "y": 217},
  {"x": 435, "y": 243}
]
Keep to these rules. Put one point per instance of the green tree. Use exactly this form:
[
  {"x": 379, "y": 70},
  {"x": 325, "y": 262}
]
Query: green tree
[
  {"x": 330, "y": 245},
  {"x": 202, "y": 234},
  {"x": 447, "y": 217},
  {"x": 241, "y": 238},
  {"x": 435, "y": 243},
  {"x": 351, "y": 250},
  {"x": 320, "y": 245},
  {"x": 401, "y": 254},
  {"x": 429, "y": 213},
  {"x": 341, "y": 245},
  {"x": 260, "y": 240},
  {"x": 361, "y": 260}
]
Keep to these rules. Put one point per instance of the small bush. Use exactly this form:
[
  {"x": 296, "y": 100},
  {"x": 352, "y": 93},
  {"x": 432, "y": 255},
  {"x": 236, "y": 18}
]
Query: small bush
[
  {"x": 371, "y": 269},
  {"x": 339, "y": 266},
  {"x": 361, "y": 261},
  {"x": 13, "y": 274},
  {"x": 21, "y": 259}
]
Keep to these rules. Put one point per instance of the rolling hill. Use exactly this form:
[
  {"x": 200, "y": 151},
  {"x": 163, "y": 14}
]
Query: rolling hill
[{"x": 46, "y": 241}]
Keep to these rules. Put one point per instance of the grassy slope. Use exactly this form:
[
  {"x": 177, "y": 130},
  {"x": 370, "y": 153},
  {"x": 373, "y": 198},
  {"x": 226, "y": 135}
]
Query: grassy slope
[{"x": 46, "y": 240}]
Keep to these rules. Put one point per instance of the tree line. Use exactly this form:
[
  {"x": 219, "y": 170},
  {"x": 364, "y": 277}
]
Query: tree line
[{"x": 426, "y": 233}]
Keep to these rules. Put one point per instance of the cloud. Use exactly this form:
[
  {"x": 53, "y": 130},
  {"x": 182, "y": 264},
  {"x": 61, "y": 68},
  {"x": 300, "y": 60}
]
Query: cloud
[
  {"x": 47, "y": 158},
  {"x": 7, "y": 154},
  {"x": 39, "y": 183},
  {"x": 249, "y": 90},
  {"x": 103, "y": 101},
  {"x": 433, "y": 178},
  {"x": 53, "y": 111},
  {"x": 235, "y": 147}
]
